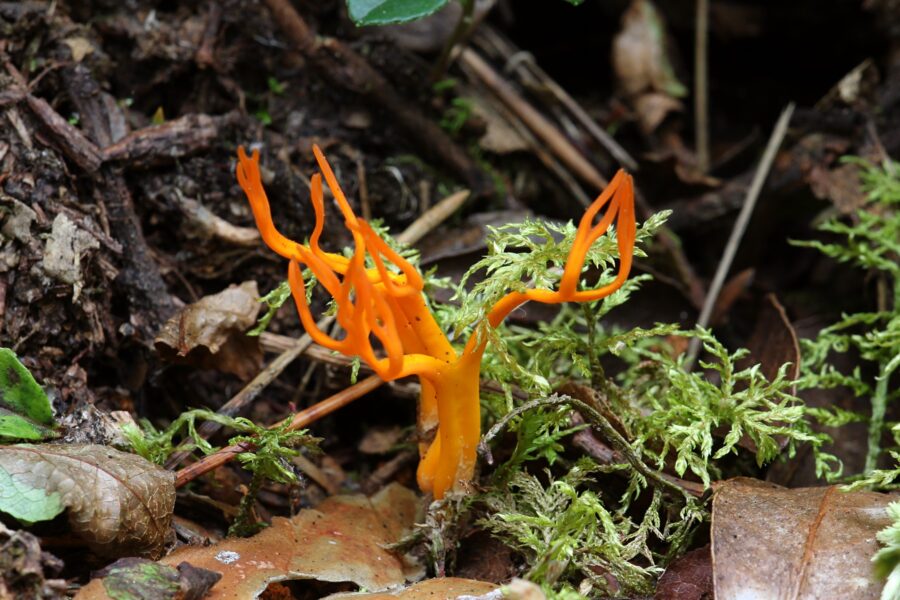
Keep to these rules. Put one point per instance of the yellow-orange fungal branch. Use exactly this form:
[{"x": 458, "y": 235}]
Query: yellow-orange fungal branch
[{"x": 388, "y": 306}]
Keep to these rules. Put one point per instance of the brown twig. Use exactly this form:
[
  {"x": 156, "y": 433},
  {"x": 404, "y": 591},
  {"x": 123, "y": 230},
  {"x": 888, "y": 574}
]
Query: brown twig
[
  {"x": 298, "y": 421},
  {"x": 619, "y": 444},
  {"x": 167, "y": 141},
  {"x": 212, "y": 224},
  {"x": 545, "y": 130},
  {"x": 433, "y": 217},
  {"x": 740, "y": 226},
  {"x": 386, "y": 471},
  {"x": 348, "y": 70},
  {"x": 547, "y": 158},
  {"x": 532, "y": 75},
  {"x": 253, "y": 389},
  {"x": 701, "y": 89}
]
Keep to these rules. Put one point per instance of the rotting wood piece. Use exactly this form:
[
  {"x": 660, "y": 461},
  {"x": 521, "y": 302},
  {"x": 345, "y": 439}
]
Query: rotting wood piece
[
  {"x": 167, "y": 141},
  {"x": 147, "y": 293}
]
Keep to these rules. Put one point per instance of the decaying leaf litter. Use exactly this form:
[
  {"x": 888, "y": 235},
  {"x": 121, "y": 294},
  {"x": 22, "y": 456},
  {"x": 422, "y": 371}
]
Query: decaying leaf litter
[{"x": 141, "y": 421}]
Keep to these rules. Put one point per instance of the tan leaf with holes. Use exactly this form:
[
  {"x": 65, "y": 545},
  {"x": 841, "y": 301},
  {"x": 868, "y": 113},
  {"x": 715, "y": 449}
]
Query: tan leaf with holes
[
  {"x": 430, "y": 589},
  {"x": 118, "y": 503},
  {"x": 343, "y": 539}
]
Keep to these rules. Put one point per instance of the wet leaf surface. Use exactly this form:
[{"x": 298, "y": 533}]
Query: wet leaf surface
[
  {"x": 773, "y": 542},
  {"x": 142, "y": 579},
  {"x": 117, "y": 503},
  {"x": 342, "y": 539},
  {"x": 430, "y": 589}
]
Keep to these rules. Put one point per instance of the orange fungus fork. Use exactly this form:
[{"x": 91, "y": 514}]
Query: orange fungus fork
[{"x": 387, "y": 305}]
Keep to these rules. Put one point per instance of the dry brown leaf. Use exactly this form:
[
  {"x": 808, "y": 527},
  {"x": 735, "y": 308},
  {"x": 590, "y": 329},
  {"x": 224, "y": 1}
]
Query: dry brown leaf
[
  {"x": 774, "y": 341},
  {"x": 431, "y": 33},
  {"x": 770, "y": 542},
  {"x": 210, "y": 332},
  {"x": 641, "y": 63},
  {"x": 653, "y": 108},
  {"x": 342, "y": 539},
  {"x": 499, "y": 136},
  {"x": 120, "y": 504},
  {"x": 79, "y": 46},
  {"x": 840, "y": 185},
  {"x": 63, "y": 252},
  {"x": 687, "y": 578},
  {"x": 380, "y": 440},
  {"x": 430, "y": 589},
  {"x": 639, "y": 53}
]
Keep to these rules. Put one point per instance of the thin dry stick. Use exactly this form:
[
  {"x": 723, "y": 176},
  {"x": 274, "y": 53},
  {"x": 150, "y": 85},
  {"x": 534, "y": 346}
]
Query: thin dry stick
[
  {"x": 433, "y": 217},
  {"x": 549, "y": 160},
  {"x": 542, "y": 127},
  {"x": 250, "y": 391},
  {"x": 532, "y": 73},
  {"x": 701, "y": 89},
  {"x": 298, "y": 421},
  {"x": 740, "y": 226},
  {"x": 344, "y": 67},
  {"x": 291, "y": 351}
]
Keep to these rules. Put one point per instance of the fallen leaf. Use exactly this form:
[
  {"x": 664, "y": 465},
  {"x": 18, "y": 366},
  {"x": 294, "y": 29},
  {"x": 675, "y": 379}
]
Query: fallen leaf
[
  {"x": 63, "y": 251},
  {"x": 142, "y": 579},
  {"x": 522, "y": 589},
  {"x": 641, "y": 63},
  {"x": 25, "y": 569},
  {"x": 841, "y": 186},
  {"x": 342, "y": 539},
  {"x": 653, "y": 108},
  {"x": 18, "y": 223},
  {"x": 380, "y": 440},
  {"x": 770, "y": 542},
  {"x": 429, "y": 589},
  {"x": 79, "y": 46},
  {"x": 688, "y": 578},
  {"x": 25, "y": 411},
  {"x": 210, "y": 333},
  {"x": 499, "y": 136},
  {"x": 773, "y": 342},
  {"x": 639, "y": 55},
  {"x": 117, "y": 503},
  {"x": 431, "y": 33}
]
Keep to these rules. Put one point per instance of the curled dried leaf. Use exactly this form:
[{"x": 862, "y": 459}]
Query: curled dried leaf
[{"x": 210, "y": 333}]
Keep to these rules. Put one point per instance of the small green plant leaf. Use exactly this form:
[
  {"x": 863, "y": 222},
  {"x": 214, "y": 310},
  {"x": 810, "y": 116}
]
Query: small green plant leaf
[
  {"x": 25, "y": 503},
  {"x": 275, "y": 86},
  {"x": 386, "y": 12},
  {"x": 25, "y": 412}
]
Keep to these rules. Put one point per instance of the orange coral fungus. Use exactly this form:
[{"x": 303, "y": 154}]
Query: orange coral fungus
[{"x": 387, "y": 305}]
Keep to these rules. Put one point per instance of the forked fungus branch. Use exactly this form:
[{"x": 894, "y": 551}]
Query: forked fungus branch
[{"x": 387, "y": 305}]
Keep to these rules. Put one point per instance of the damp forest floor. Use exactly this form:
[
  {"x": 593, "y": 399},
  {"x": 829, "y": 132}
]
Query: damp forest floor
[{"x": 131, "y": 271}]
